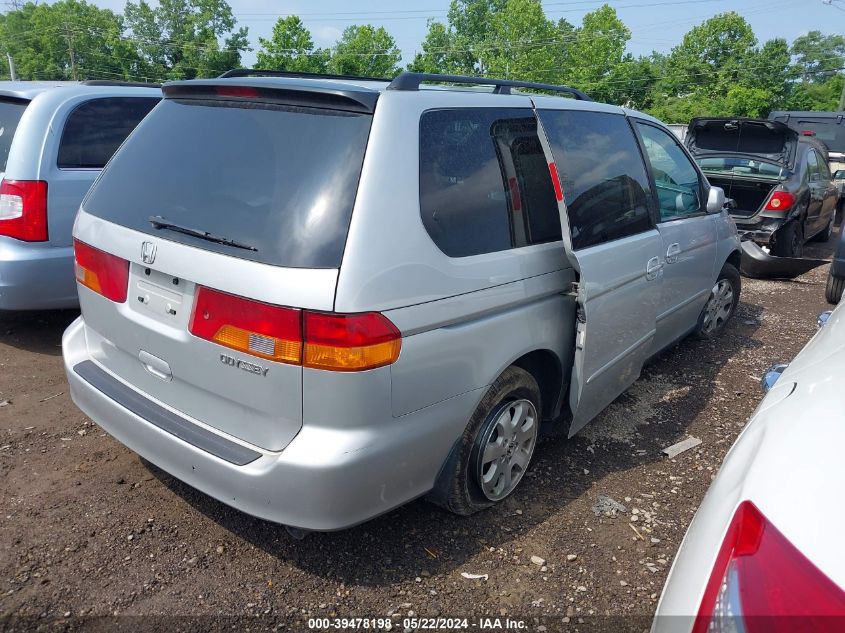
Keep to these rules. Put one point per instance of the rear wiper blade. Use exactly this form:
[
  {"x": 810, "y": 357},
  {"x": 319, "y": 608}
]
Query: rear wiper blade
[{"x": 159, "y": 222}]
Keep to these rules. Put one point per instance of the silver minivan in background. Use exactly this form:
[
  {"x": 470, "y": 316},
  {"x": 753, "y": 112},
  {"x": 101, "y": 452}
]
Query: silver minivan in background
[
  {"x": 316, "y": 299},
  {"x": 55, "y": 138}
]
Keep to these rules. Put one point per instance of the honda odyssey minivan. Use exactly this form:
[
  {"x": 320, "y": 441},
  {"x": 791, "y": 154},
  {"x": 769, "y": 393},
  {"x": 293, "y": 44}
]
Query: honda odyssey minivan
[{"x": 317, "y": 298}]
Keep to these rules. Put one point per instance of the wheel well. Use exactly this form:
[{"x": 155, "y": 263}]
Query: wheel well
[
  {"x": 735, "y": 259},
  {"x": 544, "y": 365}
]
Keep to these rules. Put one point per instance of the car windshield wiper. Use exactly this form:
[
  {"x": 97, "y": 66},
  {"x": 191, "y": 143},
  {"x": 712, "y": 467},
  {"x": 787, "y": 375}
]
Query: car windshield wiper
[{"x": 159, "y": 222}]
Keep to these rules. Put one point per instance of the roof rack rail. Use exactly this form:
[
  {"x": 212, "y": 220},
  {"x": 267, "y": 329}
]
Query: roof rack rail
[
  {"x": 257, "y": 72},
  {"x": 412, "y": 81},
  {"x": 112, "y": 82}
]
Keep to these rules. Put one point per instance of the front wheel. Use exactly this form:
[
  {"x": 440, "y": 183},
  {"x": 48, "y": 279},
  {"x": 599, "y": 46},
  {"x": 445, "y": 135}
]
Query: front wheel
[
  {"x": 497, "y": 445},
  {"x": 833, "y": 289},
  {"x": 721, "y": 305}
]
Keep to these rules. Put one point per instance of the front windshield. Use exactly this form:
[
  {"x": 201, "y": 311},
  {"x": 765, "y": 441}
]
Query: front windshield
[
  {"x": 740, "y": 166},
  {"x": 839, "y": 174}
]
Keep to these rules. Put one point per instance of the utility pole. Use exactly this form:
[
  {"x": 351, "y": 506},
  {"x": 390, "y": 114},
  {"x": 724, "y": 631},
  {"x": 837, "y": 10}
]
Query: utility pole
[
  {"x": 12, "y": 75},
  {"x": 69, "y": 38},
  {"x": 842, "y": 98}
]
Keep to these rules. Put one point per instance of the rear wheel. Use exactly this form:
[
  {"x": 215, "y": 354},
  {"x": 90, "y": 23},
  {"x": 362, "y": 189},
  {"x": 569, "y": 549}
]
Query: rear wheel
[
  {"x": 720, "y": 307},
  {"x": 833, "y": 289},
  {"x": 789, "y": 241},
  {"x": 497, "y": 444}
]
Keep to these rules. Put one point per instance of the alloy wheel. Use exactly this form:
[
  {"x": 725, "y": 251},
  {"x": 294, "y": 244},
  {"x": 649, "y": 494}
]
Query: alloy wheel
[
  {"x": 719, "y": 307},
  {"x": 506, "y": 448}
]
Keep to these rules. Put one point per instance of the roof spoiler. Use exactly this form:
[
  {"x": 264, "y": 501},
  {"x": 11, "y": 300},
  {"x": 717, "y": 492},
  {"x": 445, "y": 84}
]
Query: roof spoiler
[{"x": 301, "y": 94}]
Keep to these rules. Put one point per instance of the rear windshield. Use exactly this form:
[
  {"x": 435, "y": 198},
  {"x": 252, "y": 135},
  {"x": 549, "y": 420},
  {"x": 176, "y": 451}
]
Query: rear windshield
[
  {"x": 740, "y": 166},
  {"x": 11, "y": 112},
  {"x": 95, "y": 129},
  {"x": 831, "y": 133},
  {"x": 280, "y": 180}
]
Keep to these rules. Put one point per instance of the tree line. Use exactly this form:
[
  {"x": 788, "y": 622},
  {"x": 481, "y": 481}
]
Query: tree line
[{"x": 718, "y": 68}]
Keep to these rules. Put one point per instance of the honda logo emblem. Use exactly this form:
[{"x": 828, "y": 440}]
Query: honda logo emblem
[{"x": 148, "y": 252}]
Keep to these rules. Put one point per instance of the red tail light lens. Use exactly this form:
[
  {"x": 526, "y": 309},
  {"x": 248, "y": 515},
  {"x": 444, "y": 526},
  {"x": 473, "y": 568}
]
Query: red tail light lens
[
  {"x": 252, "y": 327},
  {"x": 350, "y": 342},
  {"x": 102, "y": 272},
  {"x": 337, "y": 342},
  {"x": 23, "y": 210},
  {"x": 244, "y": 92},
  {"x": 761, "y": 578},
  {"x": 780, "y": 201}
]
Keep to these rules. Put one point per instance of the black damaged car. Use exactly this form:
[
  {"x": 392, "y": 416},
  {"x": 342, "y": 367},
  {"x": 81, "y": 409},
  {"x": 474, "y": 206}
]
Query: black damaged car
[{"x": 778, "y": 181}]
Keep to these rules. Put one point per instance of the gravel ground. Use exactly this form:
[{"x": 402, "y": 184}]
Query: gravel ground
[{"x": 89, "y": 529}]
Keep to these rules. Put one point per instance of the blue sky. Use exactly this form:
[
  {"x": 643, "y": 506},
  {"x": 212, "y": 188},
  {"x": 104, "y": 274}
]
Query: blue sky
[{"x": 655, "y": 24}]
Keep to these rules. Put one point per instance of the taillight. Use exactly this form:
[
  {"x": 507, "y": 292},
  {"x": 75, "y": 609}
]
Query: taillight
[
  {"x": 252, "y": 327},
  {"x": 23, "y": 210},
  {"x": 780, "y": 201},
  {"x": 337, "y": 342},
  {"x": 762, "y": 582},
  {"x": 244, "y": 92},
  {"x": 102, "y": 272},
  {"x": 350, "y": 342}
]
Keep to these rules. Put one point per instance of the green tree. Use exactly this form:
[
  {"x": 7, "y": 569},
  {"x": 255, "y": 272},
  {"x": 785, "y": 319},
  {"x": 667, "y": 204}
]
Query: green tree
[
  {"x": 437, "y": 54},
  {"x": 818, "y": 56},
  {"x": 525, "y": 44},
  {"x": 822, "y": 96},
  {"x": 291, "y": 48},
  {"x": 597, "y": 49},
  {"x": 69, "y": 39},
  {"x": 769, "y": 70},
  {"x": 181, "y": 39},
  {"x": 712, "y": 57},
  {"x": 367, "y": 51},
  {"x": 630, "y": 83}
]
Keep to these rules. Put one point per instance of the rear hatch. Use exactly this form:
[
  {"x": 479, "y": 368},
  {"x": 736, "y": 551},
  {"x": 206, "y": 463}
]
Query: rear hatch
[
  {"x": 231, "y": 204},
  {"x": 748, "y": 158}
]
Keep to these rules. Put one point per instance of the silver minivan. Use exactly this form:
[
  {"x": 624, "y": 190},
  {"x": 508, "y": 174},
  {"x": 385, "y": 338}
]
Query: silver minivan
[
  {"x": 316, "y": 299},
  {"x": 55, "y": 138}
]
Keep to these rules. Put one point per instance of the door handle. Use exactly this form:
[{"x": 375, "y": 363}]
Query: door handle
[
  {"x": 672, "y": 253},
  {"x": 653, "y": 268}
]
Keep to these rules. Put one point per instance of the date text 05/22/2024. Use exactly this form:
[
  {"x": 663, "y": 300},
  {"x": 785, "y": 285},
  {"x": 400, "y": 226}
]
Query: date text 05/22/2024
[{"x": 418, "y": 624}]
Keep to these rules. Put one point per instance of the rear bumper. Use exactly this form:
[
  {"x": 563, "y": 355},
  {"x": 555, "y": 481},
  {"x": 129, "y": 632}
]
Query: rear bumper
[
  {"x": 325, "y": 479},
  {"x": 758, "y": 229},
  {"x": 36, "y": 276}
]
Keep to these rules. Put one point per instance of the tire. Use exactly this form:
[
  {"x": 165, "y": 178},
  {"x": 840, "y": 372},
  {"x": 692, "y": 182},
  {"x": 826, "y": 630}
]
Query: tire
[
  {"x": 833, "y": 289},
  {"x": 826, "y": 234},
  {"x": 720, "y": 306},
  {"x": 467, "y": 490},
  {"x": 789, "y": 241}
]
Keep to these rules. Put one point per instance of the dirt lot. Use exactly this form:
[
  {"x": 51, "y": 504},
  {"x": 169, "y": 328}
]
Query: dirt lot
[{"x": 88, "y": 529}]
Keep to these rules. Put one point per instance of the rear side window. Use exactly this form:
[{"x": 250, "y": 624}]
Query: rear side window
[
  {"x": 602, "y": 174},
  {"x": 812, "y": 166},
  {"x": 484, "y": 181},
  {"x": 11, "y": 111},
  {"x": 278, "y": 179},
  {"x": 96, "y": 128}
]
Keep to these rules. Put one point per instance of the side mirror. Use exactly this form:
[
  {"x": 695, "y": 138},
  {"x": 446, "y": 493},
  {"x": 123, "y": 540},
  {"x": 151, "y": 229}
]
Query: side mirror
[
  {"x": 715, "y": 200},
  {"x": 771, "y": 376}
]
